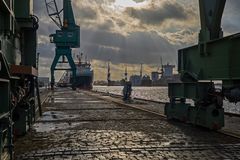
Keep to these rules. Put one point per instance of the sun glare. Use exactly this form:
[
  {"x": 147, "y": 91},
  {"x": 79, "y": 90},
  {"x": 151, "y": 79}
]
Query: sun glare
[{"x": 128, "y": 3}]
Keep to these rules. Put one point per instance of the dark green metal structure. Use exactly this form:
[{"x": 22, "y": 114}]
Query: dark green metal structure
[
  {"x": 66, "y": 38},
  {"x": 18, "y": 41},
  {"x": 214, "y": 58}
]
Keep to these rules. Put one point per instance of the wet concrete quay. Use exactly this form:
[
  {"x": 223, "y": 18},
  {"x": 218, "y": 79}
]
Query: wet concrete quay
[{"x": 79, "y": 125}]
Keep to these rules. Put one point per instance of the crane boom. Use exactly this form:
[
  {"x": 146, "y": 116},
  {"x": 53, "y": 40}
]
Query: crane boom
[{"x": 53, "y": 12}]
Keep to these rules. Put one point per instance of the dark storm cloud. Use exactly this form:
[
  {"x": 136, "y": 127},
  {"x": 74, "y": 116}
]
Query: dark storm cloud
[
  {"x": 158, "y": 14},
  {"x": 107, "y": 25},
  {"x": 103, "y": 38},
  {"x": 120, "y": 22},
  {"x": 46, "y": 50},
  {"x": 47, "y": 27},
  {"x": 39, "y": 8},
  {"x": 137, "y": 47},
  {"x": 86, "y": 13},
  {"x": 100, "y": 42}
]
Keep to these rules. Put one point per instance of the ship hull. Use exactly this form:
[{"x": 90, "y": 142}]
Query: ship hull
[
  {"x": 84, "y": 82},
  {"x": 84, "y": 76},
  {"x": 84, "y": 79}
]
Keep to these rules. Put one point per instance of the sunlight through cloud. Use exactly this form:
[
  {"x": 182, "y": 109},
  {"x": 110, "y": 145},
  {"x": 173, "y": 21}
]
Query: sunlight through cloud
[{"x": 122, "y": 4}]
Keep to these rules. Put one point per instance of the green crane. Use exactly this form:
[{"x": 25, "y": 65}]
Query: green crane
[
  {"x": 214, "y": 59},
  {"x": 65, "y": 39}
]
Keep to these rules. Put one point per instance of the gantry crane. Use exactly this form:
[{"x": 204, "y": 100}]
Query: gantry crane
[
  {"x": 66, "y": 38},
  {"x": 214, "y": 58}
]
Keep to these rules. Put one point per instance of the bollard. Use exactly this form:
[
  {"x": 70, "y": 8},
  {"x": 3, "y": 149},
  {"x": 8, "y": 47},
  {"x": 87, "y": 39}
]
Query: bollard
[{"x": 127, "y": 91}]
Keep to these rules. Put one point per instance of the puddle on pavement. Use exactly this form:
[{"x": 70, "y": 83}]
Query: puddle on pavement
[
  {"x": 55, "y": 115},
  {"x": 47, "y": 127},
  {"x": 93, "y": 102},
  {"x": 64, "y": 101},
  {"x": 70, "y": 98}
]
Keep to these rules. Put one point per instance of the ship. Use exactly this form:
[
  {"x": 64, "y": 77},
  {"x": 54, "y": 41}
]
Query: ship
[{"x": 84, "y": 74}]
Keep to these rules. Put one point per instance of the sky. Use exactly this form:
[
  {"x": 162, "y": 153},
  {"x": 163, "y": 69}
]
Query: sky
[{"x": 130, "y": 32}]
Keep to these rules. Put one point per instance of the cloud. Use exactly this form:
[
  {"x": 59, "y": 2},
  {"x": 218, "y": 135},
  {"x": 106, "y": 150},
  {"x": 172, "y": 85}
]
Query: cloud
[
  {"x": 86, "y": 13},
  {"x": 138, "y": 1},
  {"x": 137, "y": 47},
  {"x": 183, "y": 37},
  {"x": 231, "y": 16},
  {"x": 132, "y": 35},
  {"x": 158, "y": 14}
]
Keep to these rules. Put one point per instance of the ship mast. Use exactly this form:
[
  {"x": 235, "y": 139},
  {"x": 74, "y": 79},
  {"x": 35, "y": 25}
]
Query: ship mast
[
  {"x": 126, "y": 74},
  {"x": 108, "y": 74}
]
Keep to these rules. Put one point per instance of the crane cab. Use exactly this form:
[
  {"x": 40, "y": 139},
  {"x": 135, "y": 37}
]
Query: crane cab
[{"x": 64, "y": 38}]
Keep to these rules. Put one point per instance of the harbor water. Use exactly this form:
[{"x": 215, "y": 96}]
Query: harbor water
[{"x": 156, "y": 94}]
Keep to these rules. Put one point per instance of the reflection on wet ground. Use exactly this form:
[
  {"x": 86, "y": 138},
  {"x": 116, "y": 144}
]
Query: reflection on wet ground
[
  {"x": 85, "y": 127},
  {"x": 157, "y": 94}
]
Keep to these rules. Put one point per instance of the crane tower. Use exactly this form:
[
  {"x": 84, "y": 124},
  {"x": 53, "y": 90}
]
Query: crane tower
[{"x": 66, "y": 38}]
